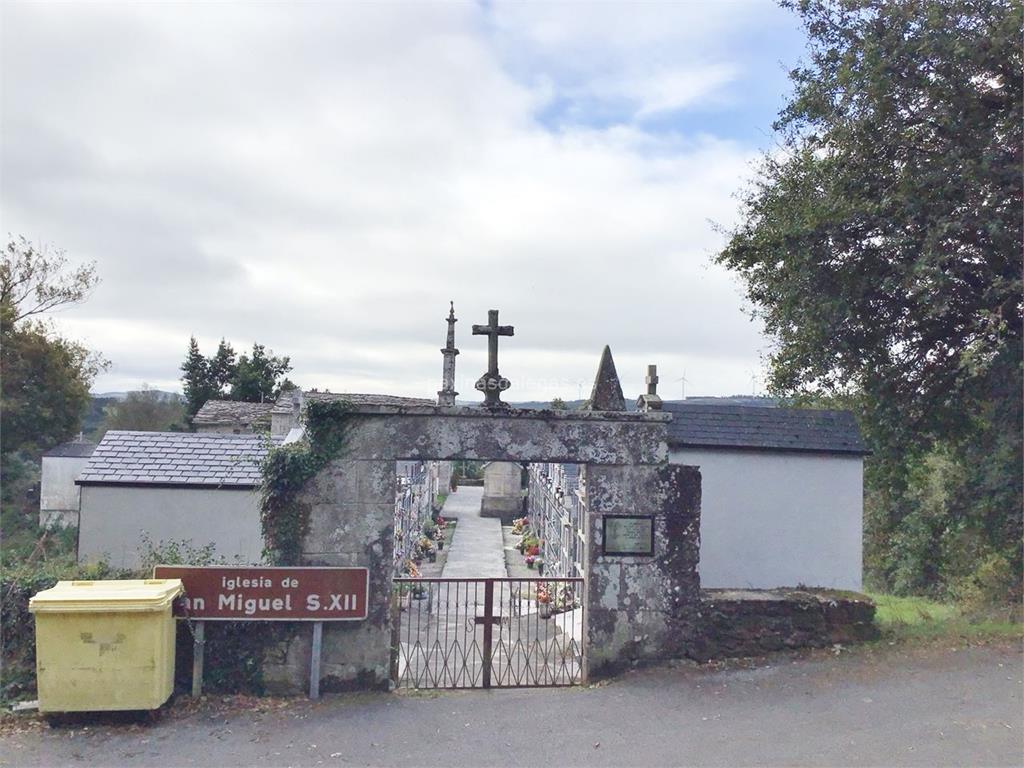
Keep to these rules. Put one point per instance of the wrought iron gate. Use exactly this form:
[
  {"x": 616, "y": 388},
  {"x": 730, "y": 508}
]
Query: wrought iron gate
[{"x": 487, "y": 633}]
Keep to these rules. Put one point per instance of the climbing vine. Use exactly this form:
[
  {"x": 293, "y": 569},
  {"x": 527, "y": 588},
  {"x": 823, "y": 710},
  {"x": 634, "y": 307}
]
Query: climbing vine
[{"x": 287, "y": 469}]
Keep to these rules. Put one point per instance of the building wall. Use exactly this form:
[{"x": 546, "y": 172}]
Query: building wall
[
  {"x": 779, "y": 519},
  {"x": 58, "y": 494},
  {"x": 503, "y": 478},
  {"x": 503, "y": 493},
  {"x": 114, "y": 517}
]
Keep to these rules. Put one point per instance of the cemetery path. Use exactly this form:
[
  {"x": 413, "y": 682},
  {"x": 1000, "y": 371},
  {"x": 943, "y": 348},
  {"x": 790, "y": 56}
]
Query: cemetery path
[
  {"x": 477, "y": 550},
  {"x": 915, "y": 706}
]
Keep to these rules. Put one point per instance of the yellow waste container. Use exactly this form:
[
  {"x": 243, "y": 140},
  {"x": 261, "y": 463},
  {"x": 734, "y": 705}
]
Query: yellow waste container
[{"x": 103, "y": 645}]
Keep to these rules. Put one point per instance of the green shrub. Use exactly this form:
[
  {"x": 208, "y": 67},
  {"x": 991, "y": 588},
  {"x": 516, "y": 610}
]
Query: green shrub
[{"x": 18, "y": 627}]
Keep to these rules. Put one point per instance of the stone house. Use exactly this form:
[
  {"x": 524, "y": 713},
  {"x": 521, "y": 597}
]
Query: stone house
[{"x": 233, "y": 418}]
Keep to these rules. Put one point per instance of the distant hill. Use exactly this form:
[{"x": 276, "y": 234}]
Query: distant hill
[
  {"x": 746, "y": 400},
  {"x": 122, "y": 395}
]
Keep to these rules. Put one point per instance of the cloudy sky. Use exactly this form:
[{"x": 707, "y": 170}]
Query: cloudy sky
[{"x": 323, "y": 178}]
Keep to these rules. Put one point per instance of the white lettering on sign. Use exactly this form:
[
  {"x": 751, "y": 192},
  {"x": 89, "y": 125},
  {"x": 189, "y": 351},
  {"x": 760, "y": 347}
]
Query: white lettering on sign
[
  {"x": 226, "y": 593},
  {"x": 252, "y": 605}
]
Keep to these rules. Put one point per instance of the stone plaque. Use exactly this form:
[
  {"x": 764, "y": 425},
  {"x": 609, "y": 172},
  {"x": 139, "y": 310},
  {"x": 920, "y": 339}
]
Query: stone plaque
[{"x": 628, "y": 535}]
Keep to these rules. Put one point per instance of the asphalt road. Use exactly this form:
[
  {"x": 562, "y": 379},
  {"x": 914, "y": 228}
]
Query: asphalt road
[{"x": 919, "y": 706}]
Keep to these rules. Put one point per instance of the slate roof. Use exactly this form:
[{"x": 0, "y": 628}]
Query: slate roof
[
  {"x": 232, "y": 412},
  {"x": 786, "y": 429},
  {"x": 284, "y": 403},
  {"x": 74, "y": 449},
  {"x": 182, "y": 459}
]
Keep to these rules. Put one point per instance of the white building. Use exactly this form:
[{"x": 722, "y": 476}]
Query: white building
[
  {"x": 781, "y": 494},
  {"x": 171, "y": 486},
  {"x": 58, "y": 494}
]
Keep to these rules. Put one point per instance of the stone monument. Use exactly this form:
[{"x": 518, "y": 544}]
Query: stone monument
[{"x": 492, "y": 383}]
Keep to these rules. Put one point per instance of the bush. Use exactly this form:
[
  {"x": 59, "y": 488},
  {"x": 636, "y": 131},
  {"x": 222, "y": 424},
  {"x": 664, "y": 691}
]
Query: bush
[
  {"x": 18, "y": 626},
  {"x": 993, "y": 585}
]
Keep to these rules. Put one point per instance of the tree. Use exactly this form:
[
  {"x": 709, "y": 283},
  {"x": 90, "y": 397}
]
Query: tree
[
  {"x": 558, "y": 404},
  {"x": 147, "y": 410},
  {"x": 35, "y": 280},
  {"x": 45, "y": 388},
  {"x": 251, "y": 378},
  {"x": 256, "y": 377},
  {"x": 195, "y": 379},
  {"x": 45, "y": 378},
  {"x": 880, "y": 244},
  {"x": 223, "y": 367},
  {"x": 44, "y": 382}
]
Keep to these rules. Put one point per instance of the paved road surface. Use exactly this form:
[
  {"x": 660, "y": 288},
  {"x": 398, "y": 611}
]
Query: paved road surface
[
  {"x": 477, "y": 551},
  {"x": 918, "y": 707}
]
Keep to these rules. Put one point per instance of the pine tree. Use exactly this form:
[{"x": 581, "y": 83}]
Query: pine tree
[{"x": 196, "y": 379}]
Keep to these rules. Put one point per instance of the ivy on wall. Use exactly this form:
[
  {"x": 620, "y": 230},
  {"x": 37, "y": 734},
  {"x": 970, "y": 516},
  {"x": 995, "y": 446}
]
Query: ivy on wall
[{"x": 287, "y": 469}]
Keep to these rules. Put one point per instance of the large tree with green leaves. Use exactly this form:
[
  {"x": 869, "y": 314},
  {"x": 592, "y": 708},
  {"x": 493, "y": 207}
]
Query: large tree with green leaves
[
  {"x": 44, "y": 380},
  {"x": 45, "y": 377},
  {"x": 881, "y": 246}
]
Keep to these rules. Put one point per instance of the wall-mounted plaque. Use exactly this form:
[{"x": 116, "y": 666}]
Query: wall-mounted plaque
[{"x": 628, "y": 535}]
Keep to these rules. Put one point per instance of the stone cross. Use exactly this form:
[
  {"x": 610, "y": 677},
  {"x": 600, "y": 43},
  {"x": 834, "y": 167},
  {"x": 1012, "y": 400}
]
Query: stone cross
[{"x": 492, "y": 383}]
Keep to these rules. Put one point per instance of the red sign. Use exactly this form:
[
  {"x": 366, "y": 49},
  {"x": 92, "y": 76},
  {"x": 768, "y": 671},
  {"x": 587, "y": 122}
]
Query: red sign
[{"x": 226, "y": 593}]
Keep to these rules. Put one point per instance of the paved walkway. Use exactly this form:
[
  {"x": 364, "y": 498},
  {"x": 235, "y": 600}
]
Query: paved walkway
[{"x": 477, "y": 551}]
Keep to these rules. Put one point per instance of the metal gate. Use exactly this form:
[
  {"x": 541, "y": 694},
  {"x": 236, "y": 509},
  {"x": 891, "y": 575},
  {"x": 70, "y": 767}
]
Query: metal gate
[{"x": 487, "y": 633}]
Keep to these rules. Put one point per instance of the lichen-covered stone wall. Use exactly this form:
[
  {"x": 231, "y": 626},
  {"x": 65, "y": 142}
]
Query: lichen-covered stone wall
[
  {"x": 426, "y": 433},
  {"x": 637, "y": 607},
  {"x": 752, "y": 623},
  {"x": 643, "y": 607},
  {"x": 352, "y": 517}
]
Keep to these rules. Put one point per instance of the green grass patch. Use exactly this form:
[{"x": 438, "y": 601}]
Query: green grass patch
[{"x": 918, "y": 618}]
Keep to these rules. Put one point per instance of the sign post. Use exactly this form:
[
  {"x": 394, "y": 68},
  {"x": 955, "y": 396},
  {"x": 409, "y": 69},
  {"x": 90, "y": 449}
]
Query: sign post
[
  {"x": 228, "y": 593},
  {"x": 198, "y": 651},
  {"x": 314, "y": 660}
]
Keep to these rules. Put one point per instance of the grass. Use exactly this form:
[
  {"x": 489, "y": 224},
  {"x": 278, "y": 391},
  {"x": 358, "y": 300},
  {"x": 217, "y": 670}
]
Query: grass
[{"x": 918, "y": 618}]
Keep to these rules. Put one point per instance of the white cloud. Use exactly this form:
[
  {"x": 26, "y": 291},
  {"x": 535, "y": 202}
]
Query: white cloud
[{"x": 323, "y": 178}]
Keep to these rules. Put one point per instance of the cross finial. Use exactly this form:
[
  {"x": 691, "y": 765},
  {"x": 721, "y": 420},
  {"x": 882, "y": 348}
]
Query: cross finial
[{"x": 492, "y": 383}]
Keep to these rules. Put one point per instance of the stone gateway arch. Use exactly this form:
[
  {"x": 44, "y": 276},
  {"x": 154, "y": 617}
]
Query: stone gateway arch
[{"x": 638, "y": 606}]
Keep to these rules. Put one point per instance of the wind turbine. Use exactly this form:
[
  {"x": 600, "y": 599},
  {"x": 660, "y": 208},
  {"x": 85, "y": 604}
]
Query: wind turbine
[{"x": 682, "y": 384}]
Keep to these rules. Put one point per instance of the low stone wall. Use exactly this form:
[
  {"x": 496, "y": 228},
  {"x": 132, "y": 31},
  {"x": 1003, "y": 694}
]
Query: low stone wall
[{"x": 755, "y": 622}]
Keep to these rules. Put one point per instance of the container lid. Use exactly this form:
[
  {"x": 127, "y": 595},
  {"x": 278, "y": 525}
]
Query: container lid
[{"x": 107, "y": 596}]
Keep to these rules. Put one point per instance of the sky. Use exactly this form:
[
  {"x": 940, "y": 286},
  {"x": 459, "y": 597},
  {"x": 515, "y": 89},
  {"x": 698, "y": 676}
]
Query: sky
[{"x": 323, "y": 178}]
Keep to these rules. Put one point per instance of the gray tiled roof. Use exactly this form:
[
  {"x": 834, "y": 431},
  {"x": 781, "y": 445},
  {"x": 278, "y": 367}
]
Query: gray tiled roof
[
  {"x": 788, "y": 429},
  {"x": 75, "y": 449},
  {"x": 176, "y": 458},
  {"x": 231, "y": 411},
  {"x": 284, "y": 403}
]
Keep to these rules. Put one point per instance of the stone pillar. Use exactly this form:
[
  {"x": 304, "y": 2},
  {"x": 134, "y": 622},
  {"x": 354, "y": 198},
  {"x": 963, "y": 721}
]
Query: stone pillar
[
  {"x": 352, "y": 517},
  {"x": 643, "y": 608}
]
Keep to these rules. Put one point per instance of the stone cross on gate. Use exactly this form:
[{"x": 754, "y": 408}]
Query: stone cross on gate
[{"x": 492, "y": 383}]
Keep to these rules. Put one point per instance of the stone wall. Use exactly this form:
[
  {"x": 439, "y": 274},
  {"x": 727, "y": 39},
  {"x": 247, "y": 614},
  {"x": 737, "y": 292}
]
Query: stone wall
[
  {"x": 753, "y": 623},
  {"x": 352, "y": 518},
  {"x": 638, "y": 608},
  {"x": 643, "y": 607}
]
